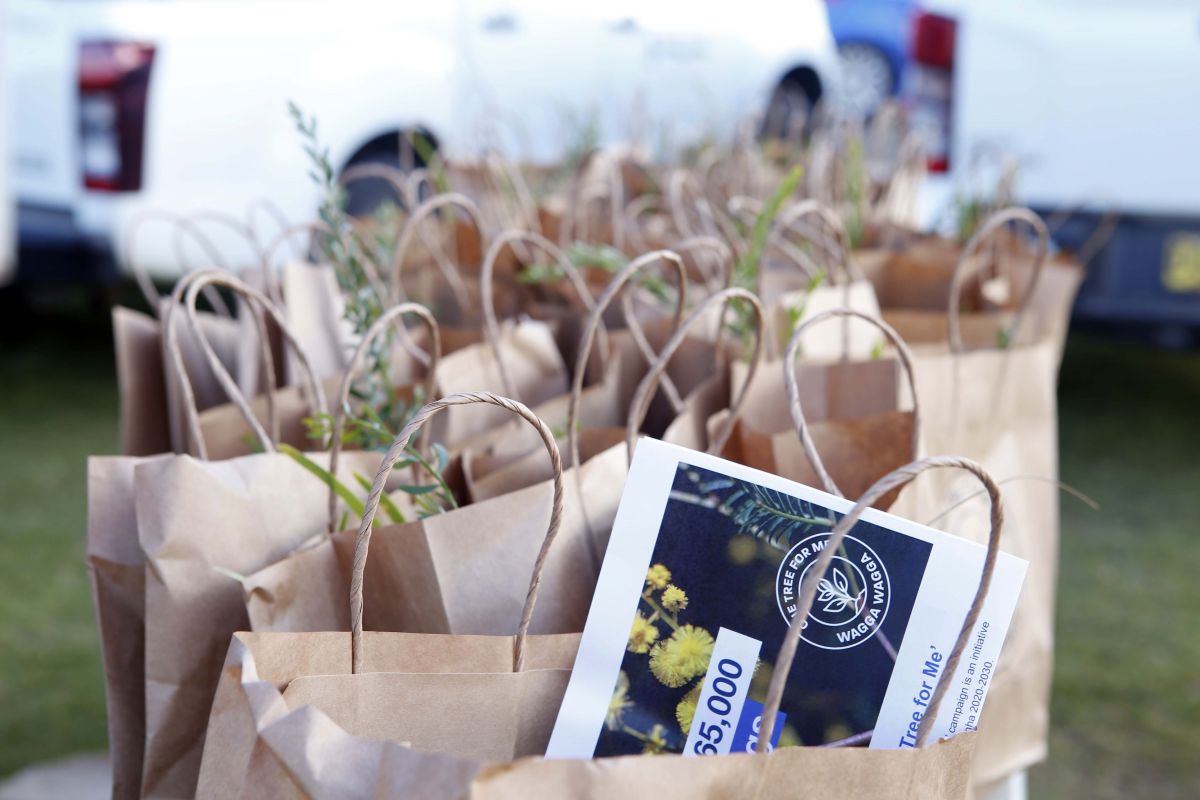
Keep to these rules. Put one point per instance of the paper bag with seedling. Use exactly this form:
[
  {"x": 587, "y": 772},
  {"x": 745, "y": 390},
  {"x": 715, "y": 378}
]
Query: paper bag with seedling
[
  {"x": 991, "y": 396},
  {"x": 284, "y": 698},
  {"x": 1031, "y": 293},
  {"x": 199, "y": 525}
]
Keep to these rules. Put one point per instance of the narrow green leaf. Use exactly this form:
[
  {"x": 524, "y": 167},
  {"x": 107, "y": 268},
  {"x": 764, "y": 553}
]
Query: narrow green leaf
[
  {"x": 340, "y": 489},
  {"x": 409, "y": 488},
  {"x": 442, "y": 457},
  {"x": 386, "y": 503}
]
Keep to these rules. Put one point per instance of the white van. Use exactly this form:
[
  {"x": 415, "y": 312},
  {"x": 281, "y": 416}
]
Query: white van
[
  {"x": 1099, "y": 104},
  {"x": 181, "y": 105}
]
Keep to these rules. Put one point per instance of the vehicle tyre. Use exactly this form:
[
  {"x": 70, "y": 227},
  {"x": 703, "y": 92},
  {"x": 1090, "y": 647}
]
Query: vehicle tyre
[
  {"x": 365, "y": 195},
  {"x": 788, "y": 112},
  {"x": 867, "y": 77}
]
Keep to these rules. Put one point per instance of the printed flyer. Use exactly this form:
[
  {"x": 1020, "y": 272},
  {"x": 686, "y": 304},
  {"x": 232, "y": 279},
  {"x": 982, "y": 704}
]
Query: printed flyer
[{"x": 698, "y": 587}]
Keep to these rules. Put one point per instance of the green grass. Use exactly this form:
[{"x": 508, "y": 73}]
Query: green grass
[
  {"x": 1126, "y": 709},
  {"x": 57, "y": 404},
  {"x": 1127, "y": 685}
]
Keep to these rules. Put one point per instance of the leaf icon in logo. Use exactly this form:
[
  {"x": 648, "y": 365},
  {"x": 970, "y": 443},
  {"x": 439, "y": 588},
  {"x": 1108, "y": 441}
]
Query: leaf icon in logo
[
  {"x": 859, "y": 601},
  {"x": 836, "y": 594},
  {"x": 839, "y": 578},
  {"x": 827, "y": 592},
  {"x": 835, "y": 605}
]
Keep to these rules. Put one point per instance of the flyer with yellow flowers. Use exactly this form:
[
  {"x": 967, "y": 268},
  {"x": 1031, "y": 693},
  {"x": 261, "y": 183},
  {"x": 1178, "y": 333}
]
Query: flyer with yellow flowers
[{"x": 699, "y": 585}]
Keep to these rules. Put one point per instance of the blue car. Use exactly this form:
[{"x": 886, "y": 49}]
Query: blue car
[{"x": 874, "y": 39}]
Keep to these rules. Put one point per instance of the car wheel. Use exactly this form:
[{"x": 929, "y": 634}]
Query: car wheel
[
  {"x": 364, "y": 195},
  {"x": 373, "y": 175},
  {"x": 867, "y": 77},
  {"x": 788, "y": 112}
]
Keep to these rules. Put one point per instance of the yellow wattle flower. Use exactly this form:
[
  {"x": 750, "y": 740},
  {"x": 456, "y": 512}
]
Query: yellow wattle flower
[
  {"x": 674, "y": 599},
  {"x": 642, "y": 635},
  {"x": 682, "y": 657},
  {"x": 618, "y": 703},
  {"x": 658, "y": 576},
  {"x": 685, "y": 712}
]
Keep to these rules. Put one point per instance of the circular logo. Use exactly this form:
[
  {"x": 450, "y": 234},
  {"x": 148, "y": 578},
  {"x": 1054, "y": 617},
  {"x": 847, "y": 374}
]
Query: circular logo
[{"x": 852, "y": 597}]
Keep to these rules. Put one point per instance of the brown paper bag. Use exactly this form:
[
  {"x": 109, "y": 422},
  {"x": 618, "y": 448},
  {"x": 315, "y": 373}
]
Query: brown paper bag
[
  {"x": 149, "y": 406},
  {"x": 370, "y": 681},
  {"x": 1026, "y": 285},
  {"x": 605, "y": 403},
  {"x": 200, "y": 526},
  {"x": 116, "y": 568},
  {"x": 837, "y": 425},
  {"x": 192, "y": 524},
  {"x": 998, "y": 406},
  {"x": 137, "y": 339}
]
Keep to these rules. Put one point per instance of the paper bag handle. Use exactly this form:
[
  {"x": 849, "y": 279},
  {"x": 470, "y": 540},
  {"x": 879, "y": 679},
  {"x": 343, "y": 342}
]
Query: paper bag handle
[
  {"x": 230, "y": 223},
  {"x": 257, "y": 302},
  {"x": 678, "y": 186},
  {"x": 840, "y": 255},
  {"x": 388, "y": 318},
  {"x": 286, "y": 235},
  {"x": 645, "y": 390},
  {"x": 514, "y": 236},
  {"x": 502, "y": 168},
  {"x": 142, "y": 276},
  {"x": 633, "y": 212},
  {"x": 723, "y": 253},
  {"x": 410, "y": 229},
  {"x": 989, "y": 228},
  {"x": 793, "y": 387},
  {"x": 808, "y": 588},
  {"x": 368, "y": 170},
  {"x": 171, "y": 348},
  {"x": 363, "y": 541},
  {"x": 594, "y": 324},
  {"x": 1100, "y": 236}
]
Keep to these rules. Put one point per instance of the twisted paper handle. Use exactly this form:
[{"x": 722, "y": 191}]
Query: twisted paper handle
[
  {"x": 793, "y": 387},
  {"x": 790, "y": 220},
  {"x": 386, "y": 320},
  {"x": 595, "y": 323},
  {"x": 363, "y": 541},
  {"x": 142, "y": 276},
  {"x": 257, "y": 303},
  {"x": 645, "y": 390},
  {"x": 1100, "y": 235},
  {"x": 413, "y": 225},
  {"x": 491, "y": 325},
  {"x": 989, "y": 228},
  {"x": 808, "y": 589},
  {"x": 286, "y": 235}
]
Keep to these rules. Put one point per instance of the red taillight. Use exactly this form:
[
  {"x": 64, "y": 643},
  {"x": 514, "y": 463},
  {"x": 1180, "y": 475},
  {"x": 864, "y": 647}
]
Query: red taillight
[
  {"x": 114, "y": 79},
  {"x": 933, "y": 40},
  {"x": 929, "y": 85}
]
